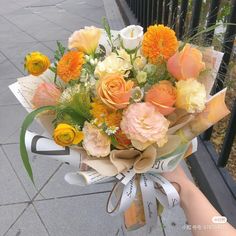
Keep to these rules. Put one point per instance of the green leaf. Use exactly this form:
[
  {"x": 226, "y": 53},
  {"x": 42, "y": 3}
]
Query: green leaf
[
  {"x": 114, "y": 142},
  {"x": 26, "y": 123}
]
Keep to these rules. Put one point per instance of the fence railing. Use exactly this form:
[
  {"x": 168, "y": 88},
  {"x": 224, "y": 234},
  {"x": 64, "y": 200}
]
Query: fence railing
[{"x": 174, "y": 14}]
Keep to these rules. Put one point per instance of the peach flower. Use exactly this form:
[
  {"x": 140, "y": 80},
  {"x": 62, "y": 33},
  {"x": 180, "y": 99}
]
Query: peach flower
[
  {"x": 162, "y": 96},
  {"x": 114, "y": 91},
  {"x": 141, "y": 122},
  {"x": 46, "y": 94},
  {"x": 95, "y": 142},
  {"x": 85, "y": 40},
  {"x": 186, "y": 64}
]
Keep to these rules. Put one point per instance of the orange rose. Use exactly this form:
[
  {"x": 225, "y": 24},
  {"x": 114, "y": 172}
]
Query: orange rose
[
  {"x": 114, "y": 91},
  {"x": 163, "y": 96},
  {"x": 186, "y": 64}
]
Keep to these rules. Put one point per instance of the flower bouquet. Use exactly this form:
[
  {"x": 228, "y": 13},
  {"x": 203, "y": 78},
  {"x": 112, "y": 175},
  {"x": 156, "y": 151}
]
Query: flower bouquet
[{"x": 124, "y": 107}]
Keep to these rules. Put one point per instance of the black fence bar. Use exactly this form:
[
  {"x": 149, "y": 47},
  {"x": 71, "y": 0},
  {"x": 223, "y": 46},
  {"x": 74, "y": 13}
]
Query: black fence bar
[
  {"x": 154, "y": 12},
  {"x": 196, "y": 13},
  {"x": 160, "y": 11},
  {"x": 166, "y": 12},
  {"x": 211, "y": 20},
  {"x": 182, "y": 17},
  {"x": 149, "y": 10},
  {"x": 139, "y": 10},
  {"x": 229, "y": 139},
  {"x": 145, "y": 14},
  {"x": 174, "y": 11},
  {"x": 227, "y": 49}
]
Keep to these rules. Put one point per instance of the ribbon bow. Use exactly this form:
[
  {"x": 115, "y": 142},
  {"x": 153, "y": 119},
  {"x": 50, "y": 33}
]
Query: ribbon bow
[{"x": 124, "y": 192}]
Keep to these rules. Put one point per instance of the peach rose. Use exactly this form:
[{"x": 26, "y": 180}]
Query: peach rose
[
  {"x": 114, "y": 91},
  {"x": 162, "y": 96},
  {"x": 46, "y": 94},
  {"x": 142, "y": 123},
  {"x": 186, "y": 64}
]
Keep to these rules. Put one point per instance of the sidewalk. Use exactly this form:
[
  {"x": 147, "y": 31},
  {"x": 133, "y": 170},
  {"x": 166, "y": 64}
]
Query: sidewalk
[{"x": 54, "y": 208}]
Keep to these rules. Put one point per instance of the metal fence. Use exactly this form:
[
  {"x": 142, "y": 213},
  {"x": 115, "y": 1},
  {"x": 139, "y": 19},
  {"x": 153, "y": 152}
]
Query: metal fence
[{"x": 174, "y": 14}]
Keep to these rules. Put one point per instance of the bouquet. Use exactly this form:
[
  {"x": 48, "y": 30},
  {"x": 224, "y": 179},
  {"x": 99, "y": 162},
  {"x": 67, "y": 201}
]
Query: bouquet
[{"x": 121, "y": 106}]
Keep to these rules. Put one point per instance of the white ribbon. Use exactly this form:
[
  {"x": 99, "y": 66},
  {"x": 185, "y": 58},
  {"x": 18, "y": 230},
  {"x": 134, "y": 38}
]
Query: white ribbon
[{"x": 124, "y": 192}]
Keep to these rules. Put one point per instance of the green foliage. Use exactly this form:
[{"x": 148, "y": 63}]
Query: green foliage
[
  {"x": 59, "y": 52},
  {"x": 26, "y": 123},
  {"x": 77, "y": 109}
]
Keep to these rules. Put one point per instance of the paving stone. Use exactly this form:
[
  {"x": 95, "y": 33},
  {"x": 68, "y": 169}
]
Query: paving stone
[
  {"x": 28, "y": 224},
  {"x": 42, "y": 169},
  {"x": 65, "y": 19},
  {"x": 11, "y": 189},
  {"x": 6, "y": 96},
  {"x": 20, "y": 50},
  {"x": 9, "y": 7},
  {"x": 11, "y": 118},
  {"x": 58, "y": 187},
  {"x": 8, "y": 70},
  {"x": 8, "y": 214},
  {"x": 82, "y": 216}
]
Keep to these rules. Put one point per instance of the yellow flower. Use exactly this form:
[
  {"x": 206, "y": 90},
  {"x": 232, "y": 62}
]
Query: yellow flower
[
  {"x": 191, "y": 95},
  {"x": 159, "y": 42},
  {"x": 66, "y": 135},
  {"x": 36, "y": 63},
  {"x": 103, "y": 114},
  {"x": 85, "y": 40}
]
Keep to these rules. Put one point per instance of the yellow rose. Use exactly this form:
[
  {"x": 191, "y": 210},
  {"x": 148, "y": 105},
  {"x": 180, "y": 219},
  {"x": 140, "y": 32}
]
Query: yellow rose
[
  {"x": 36, "y": 63},
  {"x": 191, "y": 95},
  {"x": 85, "y": 40},
  {"x": 66, "y": 135}
]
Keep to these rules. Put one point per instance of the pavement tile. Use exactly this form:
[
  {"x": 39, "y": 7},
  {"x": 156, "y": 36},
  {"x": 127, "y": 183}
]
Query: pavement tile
[
  {"x": 28, "y": 224},
  {"x": 8, "y": 214},
  {"x": 58, "y": 187},
  {"x": 42, "y": 169},
  {"x": 65, "y": 19},
  {"x": 20, "y": 50},
  {"x": 11, "y": 118},
  {"x": 174, "y": 221},
  {"x": 85, "y": 10},
  {"x": 41, "y": 29},
  {"x": 6, "y": 97},
  {"x": 83, "y": 216},
  {"x": 11, "y": 189},
  {"x": 8, "y": 70},
  {"x": 9, "y": 7}
]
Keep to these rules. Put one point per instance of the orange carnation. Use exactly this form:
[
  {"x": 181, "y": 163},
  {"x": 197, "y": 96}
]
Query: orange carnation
[
  {"x": 159, "y": 42},
  {"x": 162, "y": 96},
  {"x": 70, "y": 65}
]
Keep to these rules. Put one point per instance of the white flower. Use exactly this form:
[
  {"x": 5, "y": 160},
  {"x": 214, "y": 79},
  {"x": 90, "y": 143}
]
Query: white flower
[{"x": 131, "y": 36}]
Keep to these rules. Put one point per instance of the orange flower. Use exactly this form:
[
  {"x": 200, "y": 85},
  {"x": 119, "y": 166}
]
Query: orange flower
[
  {"x": 122, "y": 139},
  {"x": 103, "y": 114},
  {"x": 114, "y": 91},
  {"x": 186, "y": 64},
  {"x": 159, "y": 42},
  {"x": 70, "y": 65},
  {"x": 162, "y": 96}
]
